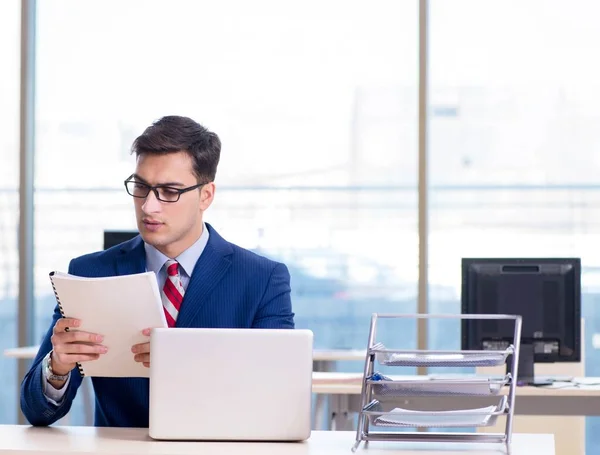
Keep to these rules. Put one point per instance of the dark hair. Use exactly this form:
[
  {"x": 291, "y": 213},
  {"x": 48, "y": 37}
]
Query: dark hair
[{"x": 172, "y": 134}]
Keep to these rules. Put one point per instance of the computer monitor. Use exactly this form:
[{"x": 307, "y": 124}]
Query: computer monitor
[
  {"x": 545, "y": 292},
  {"x": 112, "y": 238}
]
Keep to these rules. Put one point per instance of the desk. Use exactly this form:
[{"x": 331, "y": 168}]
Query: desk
[
  {"x": 27, "y": 440},
  {"x": 325, "y": 357},
  {"x": 28, "y": 352},
  {"x": 562, "y": 399},
  {"x": 346, "y": 388},
  {"x": 323, "y": 360}
]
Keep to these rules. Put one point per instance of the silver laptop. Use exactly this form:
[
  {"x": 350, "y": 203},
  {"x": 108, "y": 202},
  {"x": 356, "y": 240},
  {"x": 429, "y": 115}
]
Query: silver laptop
[{"x": 230, "y": 384}]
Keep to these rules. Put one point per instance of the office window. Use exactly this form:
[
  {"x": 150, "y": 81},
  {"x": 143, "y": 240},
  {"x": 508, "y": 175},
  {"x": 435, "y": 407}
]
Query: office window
[
  {"x": 513, "y": 157},
  {"x": 9, "y": 203},
  {"x": 315, "y": 104}
]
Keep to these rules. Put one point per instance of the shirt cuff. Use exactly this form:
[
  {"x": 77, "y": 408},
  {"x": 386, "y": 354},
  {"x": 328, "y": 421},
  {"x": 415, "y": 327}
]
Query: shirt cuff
[{"x": 52, "y": 394}]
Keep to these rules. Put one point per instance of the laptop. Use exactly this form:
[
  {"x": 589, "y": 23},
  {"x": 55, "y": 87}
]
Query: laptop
[{"x": 230, "y": 384}]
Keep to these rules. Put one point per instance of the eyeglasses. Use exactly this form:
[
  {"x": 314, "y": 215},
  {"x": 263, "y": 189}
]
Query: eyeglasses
[{"x": 162, "y": 193}]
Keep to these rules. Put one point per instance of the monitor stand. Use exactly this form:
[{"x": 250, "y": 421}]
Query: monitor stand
[{"x": 525, "y": 374}]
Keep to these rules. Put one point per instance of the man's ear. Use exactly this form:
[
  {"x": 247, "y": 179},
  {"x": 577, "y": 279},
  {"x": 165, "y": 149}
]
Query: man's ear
[{"x": 207, "y": 194}]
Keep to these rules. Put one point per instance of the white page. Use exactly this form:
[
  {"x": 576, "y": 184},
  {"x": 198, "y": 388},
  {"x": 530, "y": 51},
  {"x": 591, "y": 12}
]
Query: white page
[
  {"x": 455, "y": 418},
  {"x": 119, "y": 308},
  {"x": 449, "y": 387},
  {"x": 390, "y": 358},
  {"x": 425, "y": 357}
]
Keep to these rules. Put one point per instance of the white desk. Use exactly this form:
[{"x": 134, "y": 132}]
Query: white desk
[
  {"x": 566, "y": 400},
  {"x": 319, "y": 355},
  {"x": 323, "y": 360},
  {"x": 339, "y": 354},
  {"x": 563, "y": 399},
  {"x": 28, "y": 352},
  {"x": 25, "y": 440}
]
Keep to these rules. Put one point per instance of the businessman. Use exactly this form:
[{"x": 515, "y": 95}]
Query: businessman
[{"x": 205, "y": 280}]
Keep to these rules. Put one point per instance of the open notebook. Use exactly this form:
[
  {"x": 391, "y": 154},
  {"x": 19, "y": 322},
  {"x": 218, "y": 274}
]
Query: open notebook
[{"x": 119, "y": 308}]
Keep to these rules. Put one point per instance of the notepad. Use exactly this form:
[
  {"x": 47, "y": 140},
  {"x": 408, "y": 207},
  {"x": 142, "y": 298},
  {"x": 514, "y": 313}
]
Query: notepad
[
  {"x": 425, "y": 357},
  {"x": 117, "y": 307}
]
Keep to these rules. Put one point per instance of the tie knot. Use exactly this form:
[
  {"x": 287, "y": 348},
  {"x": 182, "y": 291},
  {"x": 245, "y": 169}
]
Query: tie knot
[{"x": 172, "y": 267}]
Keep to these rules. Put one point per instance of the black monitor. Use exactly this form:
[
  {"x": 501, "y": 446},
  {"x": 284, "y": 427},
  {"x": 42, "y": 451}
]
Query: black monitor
[
  {"x": 545, "y": 292},
  {"x": 112, "y": 238}
]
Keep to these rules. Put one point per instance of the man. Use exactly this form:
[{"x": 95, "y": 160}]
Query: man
[{"x": 205, "y": 280}]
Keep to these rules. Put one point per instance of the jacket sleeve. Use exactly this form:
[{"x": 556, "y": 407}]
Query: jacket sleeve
[
  {"x": 275, "y": 309},
  {"x": 35, "y": 406}
]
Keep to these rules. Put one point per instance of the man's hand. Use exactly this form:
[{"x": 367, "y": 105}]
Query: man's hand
[
  {"x": 70, "y": 347},
  {"x": 142, "y": 350}
]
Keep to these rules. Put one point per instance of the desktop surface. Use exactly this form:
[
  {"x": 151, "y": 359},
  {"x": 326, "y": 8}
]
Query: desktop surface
[{"x": 16, "y": 439}]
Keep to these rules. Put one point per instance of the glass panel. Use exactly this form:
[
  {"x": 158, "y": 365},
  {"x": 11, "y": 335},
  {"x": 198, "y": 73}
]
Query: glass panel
[
  {"x": 9, "y": 204},
  {"x": 514, "y": 145},
  {"x": 316, "y": 108}
]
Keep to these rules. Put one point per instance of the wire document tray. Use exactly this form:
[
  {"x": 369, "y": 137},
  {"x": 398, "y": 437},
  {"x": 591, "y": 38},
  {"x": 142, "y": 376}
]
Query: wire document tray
[{"x": 384, "y": 401}]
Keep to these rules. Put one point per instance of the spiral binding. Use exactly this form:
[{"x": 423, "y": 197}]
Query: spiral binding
[{"x": 62, "y": 313}]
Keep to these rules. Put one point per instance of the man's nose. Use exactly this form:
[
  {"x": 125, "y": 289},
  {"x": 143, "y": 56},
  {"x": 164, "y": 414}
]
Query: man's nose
[{"x": 151, "y": 204}]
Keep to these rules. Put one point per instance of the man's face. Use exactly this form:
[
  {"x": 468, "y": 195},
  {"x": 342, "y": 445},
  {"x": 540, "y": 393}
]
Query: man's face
[{"x": 171, "y": 227}]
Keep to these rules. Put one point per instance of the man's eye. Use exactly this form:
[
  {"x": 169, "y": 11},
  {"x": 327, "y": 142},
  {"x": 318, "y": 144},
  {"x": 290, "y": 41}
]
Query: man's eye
[{"x": 169, "y": 191}]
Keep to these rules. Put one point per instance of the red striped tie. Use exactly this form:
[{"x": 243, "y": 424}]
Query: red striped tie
[{"x": 172, "y": 292}]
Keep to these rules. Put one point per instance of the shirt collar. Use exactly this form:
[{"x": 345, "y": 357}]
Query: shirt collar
[{"x": 187, "y": 260}]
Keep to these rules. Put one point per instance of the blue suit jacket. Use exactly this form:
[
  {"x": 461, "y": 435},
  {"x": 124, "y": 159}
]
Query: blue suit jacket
[{"x": 230, "y": 287}]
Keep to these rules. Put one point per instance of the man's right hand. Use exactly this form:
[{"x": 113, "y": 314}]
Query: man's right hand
[{"x": 70, "y": 347}]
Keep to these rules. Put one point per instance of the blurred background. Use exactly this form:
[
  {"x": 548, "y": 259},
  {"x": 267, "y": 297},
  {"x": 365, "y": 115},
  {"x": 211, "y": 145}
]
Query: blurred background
[{"x": 316, "y": 104}]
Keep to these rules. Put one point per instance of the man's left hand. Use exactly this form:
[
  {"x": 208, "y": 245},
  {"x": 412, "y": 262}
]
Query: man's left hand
[{"x": 142, "y": 350}]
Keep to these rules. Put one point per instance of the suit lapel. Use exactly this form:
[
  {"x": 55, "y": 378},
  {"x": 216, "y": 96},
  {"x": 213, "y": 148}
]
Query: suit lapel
[
  {"x": 132, "y": 257},
  {"x": 208, "y": 271}
]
